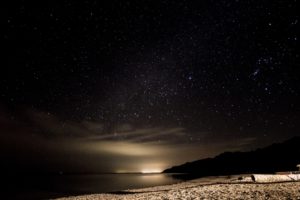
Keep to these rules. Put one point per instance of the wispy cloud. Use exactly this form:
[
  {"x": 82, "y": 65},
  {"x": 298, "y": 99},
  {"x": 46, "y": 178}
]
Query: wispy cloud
[{"x": 128, "y": 146}]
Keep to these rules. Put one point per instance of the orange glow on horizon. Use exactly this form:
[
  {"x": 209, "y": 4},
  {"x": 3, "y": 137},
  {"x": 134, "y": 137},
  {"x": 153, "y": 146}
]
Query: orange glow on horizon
[{"x": 149, "y": 171}]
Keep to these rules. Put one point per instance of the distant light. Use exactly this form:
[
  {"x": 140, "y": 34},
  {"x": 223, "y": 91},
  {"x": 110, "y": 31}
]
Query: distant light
[{"x": 149, "y": 171}]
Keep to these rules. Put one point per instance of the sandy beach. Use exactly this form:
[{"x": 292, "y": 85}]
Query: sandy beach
[{"x": 206, "y": 188}]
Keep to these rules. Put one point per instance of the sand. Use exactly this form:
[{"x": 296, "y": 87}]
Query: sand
[{"x": 206, "y": 188}]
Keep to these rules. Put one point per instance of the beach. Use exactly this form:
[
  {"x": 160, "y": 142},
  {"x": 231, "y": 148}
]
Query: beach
[{"x": 223, "y": 187}]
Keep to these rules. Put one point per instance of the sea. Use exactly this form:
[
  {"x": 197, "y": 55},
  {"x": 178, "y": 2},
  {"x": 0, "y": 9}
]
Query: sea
[{"x": 54, "y": 186}]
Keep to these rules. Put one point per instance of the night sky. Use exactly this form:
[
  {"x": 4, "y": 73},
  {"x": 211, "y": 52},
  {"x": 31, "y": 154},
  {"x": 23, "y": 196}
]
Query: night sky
[{"x": 127, "y": 86}]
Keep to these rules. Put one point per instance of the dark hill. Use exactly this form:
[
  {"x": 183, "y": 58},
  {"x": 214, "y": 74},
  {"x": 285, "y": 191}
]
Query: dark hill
[{"x": 276, "y": 157}]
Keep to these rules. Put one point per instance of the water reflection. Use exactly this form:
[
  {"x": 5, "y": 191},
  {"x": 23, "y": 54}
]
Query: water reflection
[{"x": 45, "y": 187}]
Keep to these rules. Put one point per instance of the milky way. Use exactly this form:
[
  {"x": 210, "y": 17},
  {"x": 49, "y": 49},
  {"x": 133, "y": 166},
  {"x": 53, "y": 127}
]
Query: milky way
[{"x": 173, "y": 72}]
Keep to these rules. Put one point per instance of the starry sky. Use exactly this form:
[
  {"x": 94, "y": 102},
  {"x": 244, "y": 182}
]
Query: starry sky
[{"x": 123, "y": 86}]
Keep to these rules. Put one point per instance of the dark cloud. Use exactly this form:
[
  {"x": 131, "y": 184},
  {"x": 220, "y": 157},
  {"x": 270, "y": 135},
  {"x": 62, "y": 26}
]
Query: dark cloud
[{"x": 52, "y": 145}]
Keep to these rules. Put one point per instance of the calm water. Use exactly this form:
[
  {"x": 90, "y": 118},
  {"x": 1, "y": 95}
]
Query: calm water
[{"x": 44, "y": 187}]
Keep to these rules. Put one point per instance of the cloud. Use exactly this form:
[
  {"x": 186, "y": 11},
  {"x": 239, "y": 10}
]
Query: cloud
[
  {"x": 145, "y": 135},
  {"x": 93, "y": 126},
  {"x": 125, "y": 148},
  {"x": 40, "y": 137},
  {"x": 51, "y": 127}
]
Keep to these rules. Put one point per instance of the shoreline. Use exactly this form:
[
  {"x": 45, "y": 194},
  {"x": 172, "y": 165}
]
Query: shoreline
[{"x": 220, "y": 187}]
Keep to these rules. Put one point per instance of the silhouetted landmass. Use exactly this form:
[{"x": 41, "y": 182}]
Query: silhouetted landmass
[{"x": 276, "y": 157}]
